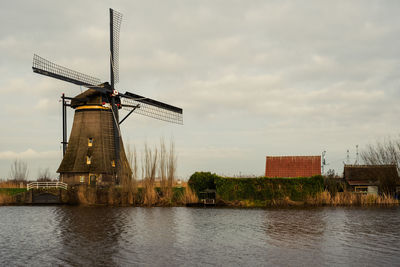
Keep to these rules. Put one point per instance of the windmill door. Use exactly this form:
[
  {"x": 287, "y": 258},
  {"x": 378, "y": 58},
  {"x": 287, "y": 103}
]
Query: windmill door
[{"x": 92, "y": 179}]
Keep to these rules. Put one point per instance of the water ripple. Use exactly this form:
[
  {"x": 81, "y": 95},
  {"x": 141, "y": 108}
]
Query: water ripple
[{"x": 104, "y": 236}]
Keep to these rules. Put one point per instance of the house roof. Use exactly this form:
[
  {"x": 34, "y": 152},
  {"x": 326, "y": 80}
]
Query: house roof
[
  {"x": 363, "y": 182},
  {"x": 369, "y": 174},
  {"x": 292, "y": 166}
]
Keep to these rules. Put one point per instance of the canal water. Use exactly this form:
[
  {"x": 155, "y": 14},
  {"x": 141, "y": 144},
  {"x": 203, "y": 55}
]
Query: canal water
[{"x": 109, "y": 236}]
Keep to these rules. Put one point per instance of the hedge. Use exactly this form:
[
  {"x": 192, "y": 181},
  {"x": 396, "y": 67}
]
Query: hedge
[
  {"x": 200, "y": 181},
  {"x": 257, "y": 189},
  {"x": 12, "y": 191}
]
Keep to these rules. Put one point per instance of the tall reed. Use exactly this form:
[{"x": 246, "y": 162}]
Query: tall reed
[
  {"x": 129, "y": 179},
  {"x": 162, "y": 170},
  {"x": 156, "y": 164},
  {"x": 188, "y": 196},
  {"x": 149, "y": 168},
  {"x": 171, "y": 169},
  {"x": 350, "y": 199},
  {"x": 13, "y": 184},
  {"x": 6, "y": 199}
]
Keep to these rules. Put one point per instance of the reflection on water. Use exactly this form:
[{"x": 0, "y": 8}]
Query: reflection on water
[
  {"x": 291, "y": 228},
  {"x": 76, "y": 236},
  {"x": 89, "y": 235}
]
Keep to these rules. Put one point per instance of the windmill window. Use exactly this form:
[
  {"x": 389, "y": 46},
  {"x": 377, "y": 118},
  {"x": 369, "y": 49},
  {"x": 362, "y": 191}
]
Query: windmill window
[
  {"x": 90, "y": 141},
  {"x": 113, "y": 163},
  {"x": 88, "y": 160}
]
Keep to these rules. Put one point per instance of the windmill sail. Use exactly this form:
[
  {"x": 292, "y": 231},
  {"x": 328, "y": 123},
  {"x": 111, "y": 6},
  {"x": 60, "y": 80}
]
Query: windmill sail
[
  {"x": 48, "y": 68},
  {"x": 115, "y": 27},
  {"x": 152, "y": 108}
]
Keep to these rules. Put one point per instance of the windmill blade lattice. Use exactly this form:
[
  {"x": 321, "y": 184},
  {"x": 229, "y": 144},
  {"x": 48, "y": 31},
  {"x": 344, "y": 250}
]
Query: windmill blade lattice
[
  {"x": 48, "y": 68},
  {"x": 145, "y": 107},
  {"x": 116, "y": 27}
]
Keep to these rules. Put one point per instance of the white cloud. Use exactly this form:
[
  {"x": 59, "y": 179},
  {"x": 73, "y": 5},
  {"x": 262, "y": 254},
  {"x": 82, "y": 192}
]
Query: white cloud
[{"x": 28, "y": 154}]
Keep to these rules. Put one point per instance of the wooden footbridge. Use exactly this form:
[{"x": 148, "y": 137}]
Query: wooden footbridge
[
  {"x": 46, "y": 185},
  {"x": 46, "y": 192}
]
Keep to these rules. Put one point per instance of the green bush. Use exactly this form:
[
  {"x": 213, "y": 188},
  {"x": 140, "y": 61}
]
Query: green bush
[
  {"x": 200, "y": 181},
  {"x": 257, "y": 189},
  {"x": 334, "y": 185},
  {"x": 263, "y": 188}
]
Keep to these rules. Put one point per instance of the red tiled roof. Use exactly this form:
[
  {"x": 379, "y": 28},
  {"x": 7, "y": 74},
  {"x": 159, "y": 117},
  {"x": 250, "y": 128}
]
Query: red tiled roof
[{"x": 293, "y": 166}]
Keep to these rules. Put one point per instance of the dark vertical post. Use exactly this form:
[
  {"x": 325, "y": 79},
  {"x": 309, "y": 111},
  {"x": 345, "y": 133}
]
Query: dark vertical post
[
  {"x": 64, "y": 118},
  {"x": 113, "y": 104}
]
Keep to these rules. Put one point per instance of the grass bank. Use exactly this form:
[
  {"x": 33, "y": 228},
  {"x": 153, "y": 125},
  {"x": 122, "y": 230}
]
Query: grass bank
[
  {"x": 8, "y": 195},
  {"x": 281, "y": 192},
  {"x": 120, "y": 196}
]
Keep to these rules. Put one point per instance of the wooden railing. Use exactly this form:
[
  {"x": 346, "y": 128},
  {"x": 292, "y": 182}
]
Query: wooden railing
[
  {"x": 37, "y": 185},
  {"x": 208, "y": 201}
]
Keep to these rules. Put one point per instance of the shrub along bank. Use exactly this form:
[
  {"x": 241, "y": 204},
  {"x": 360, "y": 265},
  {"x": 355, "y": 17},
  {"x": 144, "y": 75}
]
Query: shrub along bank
[{"x": 262, "y": 191}]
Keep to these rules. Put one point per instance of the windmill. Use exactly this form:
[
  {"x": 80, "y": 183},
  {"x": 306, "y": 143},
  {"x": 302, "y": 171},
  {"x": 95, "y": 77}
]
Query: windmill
[{"x": 95, "y": 152}]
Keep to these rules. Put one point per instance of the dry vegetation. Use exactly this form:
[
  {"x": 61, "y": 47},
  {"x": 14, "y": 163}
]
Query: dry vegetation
[
  {"x": 6, "y": 199},
  {"x": 189, "y": 196},
  {"x": 155, "y": 186},
  {"x": 17, "y": 176},
  {"x": 351, "y": 199},
  {"x": 12, "y": 184}
]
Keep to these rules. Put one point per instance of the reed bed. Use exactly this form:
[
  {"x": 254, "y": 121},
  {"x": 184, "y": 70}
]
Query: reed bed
[
  {"x": 350, "y": 199},
  {"x": 6, "y": 199},
  {"x": 188, "y": 196},
  {"x": 155, "y": 186},
  {"x": 13, "y": 184}
]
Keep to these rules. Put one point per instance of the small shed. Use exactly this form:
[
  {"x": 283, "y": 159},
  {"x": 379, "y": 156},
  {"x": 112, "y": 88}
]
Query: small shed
[
  {"x": 207, "y": 197},
  {"x": 372, "y": 179}
]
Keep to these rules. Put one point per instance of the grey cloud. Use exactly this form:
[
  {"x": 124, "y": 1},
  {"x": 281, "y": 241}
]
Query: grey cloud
[{"x": 254, "y": 78}]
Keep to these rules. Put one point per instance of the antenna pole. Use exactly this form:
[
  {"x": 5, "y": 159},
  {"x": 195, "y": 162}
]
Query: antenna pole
[{"x": 323, "y": 161}]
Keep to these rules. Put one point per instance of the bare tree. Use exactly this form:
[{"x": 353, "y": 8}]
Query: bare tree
[
  {"x": 129, "y": 181},
  {"x": 44, "y": 175},
  {"x": 19, "y": 170},
  {"x": 171, "y": 167},
  {"x": 149, "y": 168},
  {"x": 162, "y": 167},
  {"x": 385, "y": 152}
]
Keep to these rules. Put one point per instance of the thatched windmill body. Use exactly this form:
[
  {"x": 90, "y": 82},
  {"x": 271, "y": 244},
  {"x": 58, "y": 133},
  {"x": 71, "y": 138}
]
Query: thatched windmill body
[{"x": 95, "y": 153}]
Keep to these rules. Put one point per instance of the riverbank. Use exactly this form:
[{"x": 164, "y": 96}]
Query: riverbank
[
  {"x": 322, "y": 199},
  {"x": 94, "y": 196},
  {"x": 282, "y": 192},
  {"x": 114, "y": 196},
  {"x": 204, "y": 187}
]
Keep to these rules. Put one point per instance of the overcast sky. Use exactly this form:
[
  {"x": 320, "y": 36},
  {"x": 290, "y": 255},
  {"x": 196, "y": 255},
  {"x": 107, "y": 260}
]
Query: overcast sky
[{"x": 254, "y": 78}]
